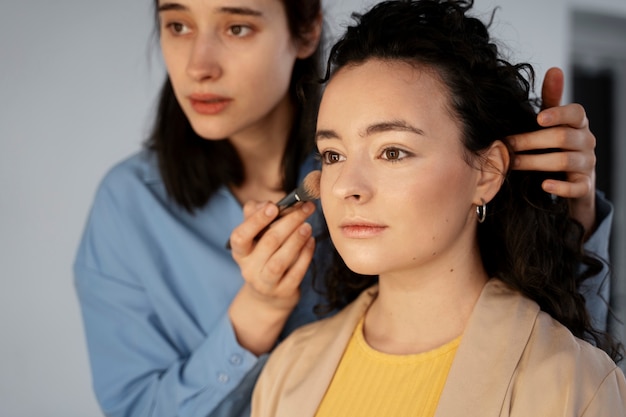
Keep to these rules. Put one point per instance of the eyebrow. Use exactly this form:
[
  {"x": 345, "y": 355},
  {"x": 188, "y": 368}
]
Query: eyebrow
[
  {"x": 171, "y": 6},
  {"x": 397, "y": 125},
  {"x": 242, "y": 11},
  {"x": 387, "y": 126}
]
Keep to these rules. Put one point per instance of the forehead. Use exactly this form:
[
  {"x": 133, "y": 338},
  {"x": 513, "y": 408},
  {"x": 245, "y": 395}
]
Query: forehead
[
  {"x": 389, "y": 74},
  {"x": 244, "y": 7},
  {"x": 386, "y": 90}
]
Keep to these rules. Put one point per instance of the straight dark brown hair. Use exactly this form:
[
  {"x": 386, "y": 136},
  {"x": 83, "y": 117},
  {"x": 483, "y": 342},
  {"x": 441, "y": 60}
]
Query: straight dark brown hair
[{"x": 193, "y": 168}]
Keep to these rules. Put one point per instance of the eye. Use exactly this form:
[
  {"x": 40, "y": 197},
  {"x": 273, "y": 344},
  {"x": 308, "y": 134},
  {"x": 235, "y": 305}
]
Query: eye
[
  {"x": 330, "y": 157},
  {"x": 240, "y": 31},
  {"x": 177, "y": 28},
  {"x": 393, "y": 154}
]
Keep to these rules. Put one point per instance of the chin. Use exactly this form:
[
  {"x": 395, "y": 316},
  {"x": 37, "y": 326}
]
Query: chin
[
  {"x": 363, "y": 264},
  {"x": 209, "y": 128},
  {"x": 208, "y": 134}
]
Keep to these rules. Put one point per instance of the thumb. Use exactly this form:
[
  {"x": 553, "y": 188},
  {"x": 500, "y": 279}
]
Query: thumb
[{"x": 552, "y": 89}]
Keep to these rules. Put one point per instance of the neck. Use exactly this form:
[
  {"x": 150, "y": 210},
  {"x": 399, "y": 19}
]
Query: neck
[
  {"x": 261, "y": 149},
  {"x": 414, "y": 315}
]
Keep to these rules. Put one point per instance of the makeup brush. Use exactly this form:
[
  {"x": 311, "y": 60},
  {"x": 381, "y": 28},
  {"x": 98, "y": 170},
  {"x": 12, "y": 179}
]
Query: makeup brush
[{"x": 309, "y": 189}]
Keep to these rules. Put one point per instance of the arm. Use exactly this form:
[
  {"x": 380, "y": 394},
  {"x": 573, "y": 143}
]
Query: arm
[
  {"x": 273, "y": 268},
  {"x": 567, "y": 129},
  {"x": 596, "y": 289},
  {"x": 138, "y": 370},
  {"x": 156, "y": 349}
]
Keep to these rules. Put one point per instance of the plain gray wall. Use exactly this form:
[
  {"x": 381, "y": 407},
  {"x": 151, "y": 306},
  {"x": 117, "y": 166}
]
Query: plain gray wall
[{"x": 77, "y": 87}]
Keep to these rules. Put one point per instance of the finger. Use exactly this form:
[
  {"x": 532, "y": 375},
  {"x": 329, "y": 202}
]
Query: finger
[
  {"x": 570, "y": 162},
  {"x": 242, "y": 239},
  {"x": 552, "y": 88},
  {"x": 293, "y": 278},
  {"x": 278, "y": 233},
  {"x": 568, "y": 189},
  {"x": 572, "y": 115},
  {"x": 564, "y": 138},
  {"x": 280, "y": 265}
]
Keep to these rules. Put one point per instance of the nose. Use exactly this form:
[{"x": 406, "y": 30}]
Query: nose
[
  {"x": 204, "y": 59},
  {"x": 353, "y": 182}
]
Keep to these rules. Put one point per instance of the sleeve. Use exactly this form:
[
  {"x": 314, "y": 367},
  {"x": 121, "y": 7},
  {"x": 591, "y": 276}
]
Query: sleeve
[
  {"x": 138, "y": 367},
  {"x": 610, "y": 398},
  {"x": 238, "y": 402},
  {"x": 596, "y": 289},
  {"x": 138, "y": 371}
]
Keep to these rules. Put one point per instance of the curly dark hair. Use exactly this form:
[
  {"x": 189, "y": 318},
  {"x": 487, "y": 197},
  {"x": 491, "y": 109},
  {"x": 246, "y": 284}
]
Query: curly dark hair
[
  {"x": 528, "y": 239},
  {"x": 193, "y": 168}
]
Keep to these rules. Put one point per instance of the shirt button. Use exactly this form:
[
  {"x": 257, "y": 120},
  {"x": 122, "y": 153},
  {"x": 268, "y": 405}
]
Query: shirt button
[
  {"x": 236, "y": 360},
  {"x": 223, "y": 378}
]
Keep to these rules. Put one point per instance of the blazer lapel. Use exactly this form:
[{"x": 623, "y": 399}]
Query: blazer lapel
[{"x": 492, "y": 345}]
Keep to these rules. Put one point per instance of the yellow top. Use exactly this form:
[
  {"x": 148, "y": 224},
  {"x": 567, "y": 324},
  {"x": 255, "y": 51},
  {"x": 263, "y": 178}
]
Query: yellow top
[{"x": 371, "y": 383}]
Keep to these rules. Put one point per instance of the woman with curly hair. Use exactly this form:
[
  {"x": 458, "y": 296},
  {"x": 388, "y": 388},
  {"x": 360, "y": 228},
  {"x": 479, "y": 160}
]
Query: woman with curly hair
[{"x": 463, "y": 275}]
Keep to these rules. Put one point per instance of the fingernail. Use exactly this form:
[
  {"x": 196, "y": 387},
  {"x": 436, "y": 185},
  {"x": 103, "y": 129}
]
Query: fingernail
[
  {"x": 271, "y": 210},
  {"x": 305, "y": 229},
  {"x": 549, "y": 187},
  {"x": 545, "y": 118},
  {"x": 307, "y": 208},
  {"x": 511, "y": 140}
]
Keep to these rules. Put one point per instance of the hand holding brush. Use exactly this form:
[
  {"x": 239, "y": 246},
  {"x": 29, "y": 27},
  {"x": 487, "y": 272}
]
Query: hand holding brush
[{"x": 308, "y": 190}]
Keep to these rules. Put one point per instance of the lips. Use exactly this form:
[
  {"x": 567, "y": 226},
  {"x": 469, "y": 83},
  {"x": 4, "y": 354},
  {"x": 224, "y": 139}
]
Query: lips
[
  {"x": 361, "y": 230},
  {"x": 209, "y": 104}
]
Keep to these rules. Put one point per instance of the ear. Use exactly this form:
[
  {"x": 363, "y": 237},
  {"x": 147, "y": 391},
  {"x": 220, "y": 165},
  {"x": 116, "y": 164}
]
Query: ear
[
  {"x": 311, "y": 39},
  {"x": 494, "y": 166}
]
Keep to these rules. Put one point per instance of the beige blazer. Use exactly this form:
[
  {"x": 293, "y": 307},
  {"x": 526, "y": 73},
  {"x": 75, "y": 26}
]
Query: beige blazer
[{"x": 514, "y": 360}]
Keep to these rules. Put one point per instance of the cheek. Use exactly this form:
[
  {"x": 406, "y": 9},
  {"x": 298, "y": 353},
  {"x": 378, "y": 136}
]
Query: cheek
[
  {"x": 435, "y": 200},
  {"x": 263, "y": 80},
  {"x": 175, "y": 61},
  {"x": 172, "y": 56},
  {"x": 278, "y": 75},
  {"x": 326, "y": 197},
  {"x": 278, "y": 58}
]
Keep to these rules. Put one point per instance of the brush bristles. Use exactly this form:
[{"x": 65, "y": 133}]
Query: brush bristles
[{"x": 311, "y": 186}]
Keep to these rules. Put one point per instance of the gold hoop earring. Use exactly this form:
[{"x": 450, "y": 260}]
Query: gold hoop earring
[{"x": 481, "y": 211}]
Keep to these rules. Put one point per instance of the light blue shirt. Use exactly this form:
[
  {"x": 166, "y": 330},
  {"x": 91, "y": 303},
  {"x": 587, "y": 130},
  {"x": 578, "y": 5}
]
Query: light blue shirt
[
  {"x": 597, "y": 289},
  {"x": 155, "y": 283}
]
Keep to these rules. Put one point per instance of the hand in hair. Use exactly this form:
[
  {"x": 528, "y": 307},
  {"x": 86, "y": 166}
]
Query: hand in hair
[{"x": 567, "y": 129}]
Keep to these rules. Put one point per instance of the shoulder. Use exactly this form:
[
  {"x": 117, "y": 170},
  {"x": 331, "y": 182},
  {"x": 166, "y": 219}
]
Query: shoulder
[
  {"x": 136, "y": 170},
  {"x": 568, "y": 373},
  {"x": 556, "y": 345},
  {"x": 126, "y": 198},
  {"x": 571, "y": 371},
  {"x": 131, "y": 189}
]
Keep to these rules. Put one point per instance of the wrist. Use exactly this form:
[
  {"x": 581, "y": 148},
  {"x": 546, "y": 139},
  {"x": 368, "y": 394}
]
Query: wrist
[
  {"x": 258, "y": 320},
  {"x": 585, "y": 213}
]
